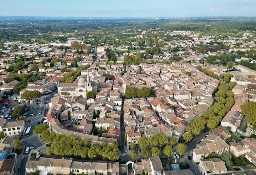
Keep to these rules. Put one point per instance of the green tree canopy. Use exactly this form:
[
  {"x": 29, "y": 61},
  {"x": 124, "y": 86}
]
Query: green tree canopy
[
  {"x": 227, "y": 158},
  {"x": 168, "y": 150},
  {"x": 249, "y": 111},
  {"x": 181, "y": 148},
  {"x": 133, "y": 92},
  {"x": 18, "y": 111},
  {"x": 17, "y": 145},
  {"x": 187, "y": 136},
  {"x": 91, "y": 94},
  {"x": 30, "y": 95},
  {"x": 155, "y": 151},
  {"x": 133, "y": 154},
  {"x": 40, "y": 128}
]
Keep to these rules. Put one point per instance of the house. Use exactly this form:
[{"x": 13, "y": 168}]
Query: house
[
  {"x": 9, "y": 86},
  {"x": 152, "y": 166},
  {"x": 65, "y": 166},
  {"x": 233, "y": 120},
  {"x": 49, "y": 165},
  {"x": 79, "y": 115},
  {"x": 222, "y": 132},
  {"x": 77, "y": 88},
  {"x": 239, "y": 149},
  {"x": 103, "y": 168},
  {"x": 211, "y": 144},
  {"x": 250, "y": 144},
  {"x": 104, "y": 123},
  {"x": 2, "y": 123},
  {"x": 156, "y": 166},
  {"x": 170, "y": 118},
  {"x": 212, "y": 166},
  {"x": 13, "y": 128},
  {"x": 182, "y": 95},
  {"x": 7, "y": 167},
  {"x": 43, "y": 87},
  {"x": 132, "y": 137}
]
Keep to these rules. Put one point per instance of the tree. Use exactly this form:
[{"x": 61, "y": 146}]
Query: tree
[
  {"x": 15, "y": 47},
  {"x": 30, "y": 95},
  {"x": 134, "y": 154},
  {"x": 92, "y": 153},
  {"x": 181, "y": 148},
  {"x": 227, "y": 158},
  {"x": 172, "y": 140},
  {"x": 37, "y": 172},
  {"x": 91, "y": 94},
  {"x": 212, "y": 123},
  {"x": 155, "y": 151},
  {"x": 83, "y": 152},
  {"x": 34, "y": 67},
  {"x": 17, "y": 145},
  {"x": 133, "y": 92},
  {"x": 187, "y": 136},
  {"x": 40, "y": 128},
  {"x": 168, "y": 151},
  {"x": 143, "y": 142},
  {"x": 162, "y": 139},
  {"x": 2, "y": 135},
  {"x": 18, "y": 111},
  {"x": 153, "y": 140},
  {"x": 132, "y": 146},
  {"x": 146, "y": 152},
  {"x": 249, "y": 111}
]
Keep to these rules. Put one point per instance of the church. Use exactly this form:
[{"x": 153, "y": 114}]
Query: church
[{"x": 80, "y": 87}]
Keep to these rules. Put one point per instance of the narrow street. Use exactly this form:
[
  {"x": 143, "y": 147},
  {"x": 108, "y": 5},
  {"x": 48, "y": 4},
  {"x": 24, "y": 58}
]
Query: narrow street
[{"x": 192, "y": 165}]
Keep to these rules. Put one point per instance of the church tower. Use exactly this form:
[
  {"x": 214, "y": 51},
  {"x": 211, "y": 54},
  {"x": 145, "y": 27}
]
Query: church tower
[{"x": 88, "y": 85}]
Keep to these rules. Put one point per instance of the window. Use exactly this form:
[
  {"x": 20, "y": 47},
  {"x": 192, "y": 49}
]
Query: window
[
  {"x": 14, "y": 133},
  {"x": 4, "y": 129},
  {"x": 13, "y": 128},
  {"x": 9, "y": 129},
  {"x": 18, "y": 128}
]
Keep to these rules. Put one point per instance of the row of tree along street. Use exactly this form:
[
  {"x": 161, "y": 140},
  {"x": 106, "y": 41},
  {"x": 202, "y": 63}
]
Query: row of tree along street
[
  {"x": 62, "y": 145},
  {"x": 224, "y": 100},
  {"x": 156, "y": 145}
]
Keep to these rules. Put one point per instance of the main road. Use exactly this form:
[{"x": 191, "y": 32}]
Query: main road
[{"x": 34, "y": 140}]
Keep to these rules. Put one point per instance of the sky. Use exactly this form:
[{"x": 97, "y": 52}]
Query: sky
[{"x": 128, "y": 8}]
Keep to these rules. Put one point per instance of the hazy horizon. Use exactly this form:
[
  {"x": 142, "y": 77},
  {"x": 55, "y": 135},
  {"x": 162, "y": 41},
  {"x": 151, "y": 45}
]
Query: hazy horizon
[{"x": 128, "y": 9}]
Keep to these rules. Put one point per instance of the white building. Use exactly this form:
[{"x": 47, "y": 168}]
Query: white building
[
  {"x": 13, "y": 128},
  {"x": 75, "y": 89}
]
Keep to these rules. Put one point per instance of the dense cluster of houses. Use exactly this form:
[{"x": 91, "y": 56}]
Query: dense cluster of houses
[
  {"x": 181, "y": 93},
  {"x": 234, "y": 122},
  {"x": 72, "y": 112}
]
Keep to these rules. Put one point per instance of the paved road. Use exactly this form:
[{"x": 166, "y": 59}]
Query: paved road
[
  {"x": 34, "y": 140},
  {"x": 193, "y": 166},
  {"x": 22, "y": 170},
  {"x": 122, "y": 129}
]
